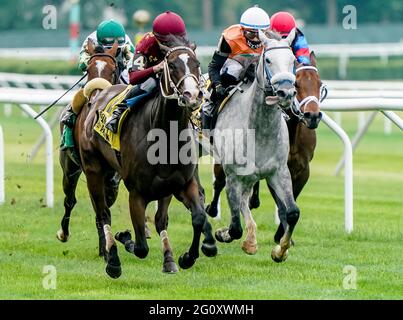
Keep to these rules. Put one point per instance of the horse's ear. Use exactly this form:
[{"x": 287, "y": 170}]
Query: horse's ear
[
  {"x": 91, "y": 47},
  {"x": 262, "y": 37},
  {"x": 193, "y": 46},
  {"x": 164, "y": 49},
  {"x": 112, "y": 51},
  {"x": 312, "y": 57},
  {"x": 291, "y": 36}
]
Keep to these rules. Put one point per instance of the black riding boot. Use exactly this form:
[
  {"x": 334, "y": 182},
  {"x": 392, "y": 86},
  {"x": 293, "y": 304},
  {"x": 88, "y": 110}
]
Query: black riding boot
[{"x": 113, "y": 121}]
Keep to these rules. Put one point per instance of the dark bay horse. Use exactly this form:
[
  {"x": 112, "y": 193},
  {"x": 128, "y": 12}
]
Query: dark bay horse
[
  {"x": 102, "y": 64},
  {"x": 302, "y": 137},
  {"x": 147, "y": 135}
]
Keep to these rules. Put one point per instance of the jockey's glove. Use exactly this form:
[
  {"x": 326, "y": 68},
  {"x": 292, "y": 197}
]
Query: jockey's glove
[{"x": 220, "y": 91}]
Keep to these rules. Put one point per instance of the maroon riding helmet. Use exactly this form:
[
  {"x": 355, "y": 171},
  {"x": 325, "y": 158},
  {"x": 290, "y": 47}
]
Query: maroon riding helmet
[{"x": 168, "y": 23}]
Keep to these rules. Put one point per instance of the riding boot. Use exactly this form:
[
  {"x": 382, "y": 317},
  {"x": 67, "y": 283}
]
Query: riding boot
[
  {"x": 68, "y": 119},
  {"x": 113, "y": 121}
]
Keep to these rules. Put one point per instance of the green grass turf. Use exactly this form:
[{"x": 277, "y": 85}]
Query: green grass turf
[{"x": 314, "y": 269}]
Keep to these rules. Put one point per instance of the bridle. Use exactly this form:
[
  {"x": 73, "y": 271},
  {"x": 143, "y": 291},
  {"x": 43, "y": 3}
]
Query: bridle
[
  {"x": 116, "y": 73},
  {"x": 268, "y": 87},
  {"x": 297, "y": 105},
  {"x": 168, "y": 84}
]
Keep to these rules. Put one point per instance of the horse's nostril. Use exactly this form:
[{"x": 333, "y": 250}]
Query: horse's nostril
[
  {"x": 200, "y": 95},
  {"x": 308, "y": 115},
  {"x": 281, "y": 93},
  {"x": 187, "y": 94}
]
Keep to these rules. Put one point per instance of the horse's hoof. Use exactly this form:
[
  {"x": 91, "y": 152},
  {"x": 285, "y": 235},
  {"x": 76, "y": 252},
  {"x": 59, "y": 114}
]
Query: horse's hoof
[
  {"x": 209, "y": 250},
  {"x": 170, "y": 268},
  {"x": 249, "y": 248},
  {"x": 254, "y": 203},
  {"x": 212, "y": 212},
  {"x": 113, "y": 268},
  {"x": 276, "y": 254},
  {"x": 123, "y": 236},
  {"x": 222, "y": 235},
  {"x": 61, "y": 236},
  {"x": 113, "y": 271},
  {"x": 185, "y": 261}
]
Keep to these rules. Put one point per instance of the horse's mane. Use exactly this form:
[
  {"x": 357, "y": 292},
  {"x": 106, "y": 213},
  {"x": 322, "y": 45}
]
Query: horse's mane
[
  {"x": 177, "y": 41},
  {"x": 271, "y": 34}
]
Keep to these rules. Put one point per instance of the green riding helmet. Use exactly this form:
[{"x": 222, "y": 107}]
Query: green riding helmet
[{"x": 110, "y": 30}]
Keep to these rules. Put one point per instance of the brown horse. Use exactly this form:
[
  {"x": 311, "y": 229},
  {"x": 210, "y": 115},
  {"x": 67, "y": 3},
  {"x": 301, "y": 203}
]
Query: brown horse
[
  {"x": 302, "y": 137},
  {"x": 102, "y": 64},
  {"x": 141, "y": 163}
]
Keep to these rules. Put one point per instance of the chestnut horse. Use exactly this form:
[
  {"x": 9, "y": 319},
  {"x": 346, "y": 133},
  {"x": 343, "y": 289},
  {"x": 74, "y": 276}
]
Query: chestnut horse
[
  {"x": 302, "y": 136},
  {"x": 145, "y": 175},
  {"x": 102, "y": 64}
]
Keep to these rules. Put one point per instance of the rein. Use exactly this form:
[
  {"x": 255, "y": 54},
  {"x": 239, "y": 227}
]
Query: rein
[{"x": 168, "y": 83}]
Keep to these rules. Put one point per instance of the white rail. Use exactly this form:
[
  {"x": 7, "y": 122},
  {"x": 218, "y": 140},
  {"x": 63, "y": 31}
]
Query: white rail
[
  {"x": 348, "y": 172},
  {"x": 49, "y": 153}
]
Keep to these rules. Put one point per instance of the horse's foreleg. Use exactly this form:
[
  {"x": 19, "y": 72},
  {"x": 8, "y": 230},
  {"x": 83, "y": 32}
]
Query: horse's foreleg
[
  {"x": 219, "y": 184},
  {"x": 190, "y": 198},
  {"x": 95, "y": 184},
  {"x": 161, "y": 224},
  {"x": 234, "y": 196},
  {"x": 138, "y": 214},
  {"x": 71, "y": 173},
  {"x": 299, "y": 179},
  {"x": 288, "y": 211},
  {"x": 249, "y": 245},
  {"x": 254, "y": 201}
]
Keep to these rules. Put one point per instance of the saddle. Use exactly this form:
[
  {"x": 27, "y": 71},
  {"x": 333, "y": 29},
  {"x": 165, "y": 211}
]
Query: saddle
[{"x": 103, "y": 115}]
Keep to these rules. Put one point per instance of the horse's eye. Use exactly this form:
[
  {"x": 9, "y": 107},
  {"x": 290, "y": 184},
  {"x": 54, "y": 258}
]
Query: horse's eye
[
  {"x": 267, "y": 60},
  {"x": 171, "y": 66}
]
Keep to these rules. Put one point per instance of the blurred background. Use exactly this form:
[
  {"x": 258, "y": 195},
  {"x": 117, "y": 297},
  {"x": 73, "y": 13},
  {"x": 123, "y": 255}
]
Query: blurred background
[{"x": 373, "y": 47}]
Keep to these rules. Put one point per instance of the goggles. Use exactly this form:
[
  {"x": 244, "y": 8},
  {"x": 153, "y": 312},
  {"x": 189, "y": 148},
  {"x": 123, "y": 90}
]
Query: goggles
[{"x": 108, "y": 42}]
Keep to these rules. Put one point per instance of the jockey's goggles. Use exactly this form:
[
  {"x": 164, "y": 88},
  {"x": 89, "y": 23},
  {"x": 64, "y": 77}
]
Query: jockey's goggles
[
  {"x": 251, "y": 34},
  {"x": 108, "y": 42}
]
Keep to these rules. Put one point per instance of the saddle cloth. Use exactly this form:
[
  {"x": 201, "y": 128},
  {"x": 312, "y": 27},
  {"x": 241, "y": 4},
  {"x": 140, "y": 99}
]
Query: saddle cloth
[{"x": 103, "y": 115}]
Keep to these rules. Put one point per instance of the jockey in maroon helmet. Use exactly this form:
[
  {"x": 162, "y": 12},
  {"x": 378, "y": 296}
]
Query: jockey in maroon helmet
[{"x": 148, "y": 59}]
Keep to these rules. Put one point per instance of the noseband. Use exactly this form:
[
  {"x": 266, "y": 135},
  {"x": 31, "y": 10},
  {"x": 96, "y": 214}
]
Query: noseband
[
  {"x": 297, "y": 105},
  {"x": 168, "y": 83}
]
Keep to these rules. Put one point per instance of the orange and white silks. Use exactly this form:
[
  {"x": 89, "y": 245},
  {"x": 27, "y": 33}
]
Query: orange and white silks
[{"x": 240, "y": 51}]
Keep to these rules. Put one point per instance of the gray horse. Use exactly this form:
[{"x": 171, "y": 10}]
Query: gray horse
[{"x": 253, "y": 123}]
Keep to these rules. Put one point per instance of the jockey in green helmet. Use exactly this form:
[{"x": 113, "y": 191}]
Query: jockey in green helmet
[{"x": 107, "y": 32}]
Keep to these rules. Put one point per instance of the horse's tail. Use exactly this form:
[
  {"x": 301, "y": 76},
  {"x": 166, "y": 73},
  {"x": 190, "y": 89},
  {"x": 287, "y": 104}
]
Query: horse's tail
[{"x": 94, "y": 84}]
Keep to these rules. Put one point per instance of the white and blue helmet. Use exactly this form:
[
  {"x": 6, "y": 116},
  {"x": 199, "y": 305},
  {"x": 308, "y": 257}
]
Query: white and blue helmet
[{"x": 255, "y": 18}]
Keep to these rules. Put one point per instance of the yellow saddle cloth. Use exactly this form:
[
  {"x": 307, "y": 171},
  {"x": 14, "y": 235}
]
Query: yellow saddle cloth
[{"x": 103, "y": 115}]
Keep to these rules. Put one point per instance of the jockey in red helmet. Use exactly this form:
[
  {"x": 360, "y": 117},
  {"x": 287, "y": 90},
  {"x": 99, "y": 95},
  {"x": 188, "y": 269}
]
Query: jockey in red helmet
[
  {"x": 283, "y": 22},
  {"x": 148, "y": 59}
]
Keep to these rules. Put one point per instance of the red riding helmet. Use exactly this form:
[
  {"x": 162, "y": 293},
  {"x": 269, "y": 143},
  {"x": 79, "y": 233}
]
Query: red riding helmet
[
  {"x": 168, "y": 23},
  {"x": 282, "y": 22}
]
